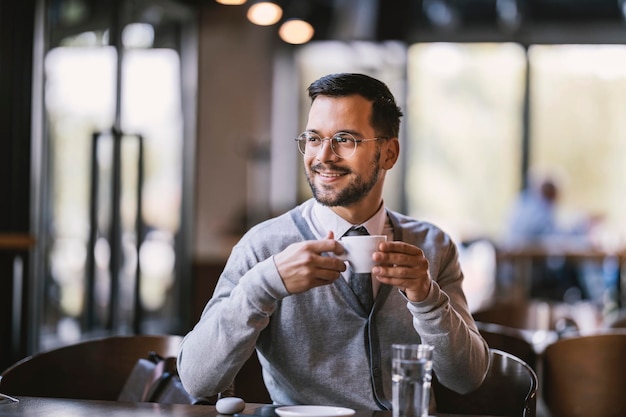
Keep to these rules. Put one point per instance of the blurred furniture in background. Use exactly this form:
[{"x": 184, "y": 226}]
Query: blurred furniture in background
[
  {"x": 249, "y": 383},
  {"x": 94, "y": 369},
  {"x": 542, "y": 316},
  {"x": 586, "y": 375},
  {"x": 508, "y": 339},
  {"x": 519, "y": 277},
  {"x": 15, "y": 252},
  {"x": 517, "y": 325},
  {"x": 509, "y": 389},
  {"x": 619, "y": 321},
  {"x": 523, "y": 314}
]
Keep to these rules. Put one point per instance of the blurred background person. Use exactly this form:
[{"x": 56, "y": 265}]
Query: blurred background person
[
  {"x": 534, "y": 226},
  {"x": 533, "y": 217}
]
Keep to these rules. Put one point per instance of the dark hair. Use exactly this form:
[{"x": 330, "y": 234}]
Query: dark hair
[{"x": 385, "y": 112}]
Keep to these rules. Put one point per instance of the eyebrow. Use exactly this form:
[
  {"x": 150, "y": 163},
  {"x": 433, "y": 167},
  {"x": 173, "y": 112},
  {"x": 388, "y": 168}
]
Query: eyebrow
[{"x": 350, "y": 131}]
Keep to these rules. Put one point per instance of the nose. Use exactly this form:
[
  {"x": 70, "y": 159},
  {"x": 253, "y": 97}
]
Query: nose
[{"x": 326, "y": 153}]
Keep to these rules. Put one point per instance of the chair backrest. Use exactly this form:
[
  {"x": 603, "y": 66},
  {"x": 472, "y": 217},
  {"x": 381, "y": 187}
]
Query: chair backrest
[
  {"x": 510, "y": 340},
  {"x": 526, "y": 314},
  {"x": 94, "y": 369},
  {"x": 586, "y": 375},
  {"x": 509, "y": 389},
  {"x": 539, "y": 315},
  {"x": 249, "y": 383}
]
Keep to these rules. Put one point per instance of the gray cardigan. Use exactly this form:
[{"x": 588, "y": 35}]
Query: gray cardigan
[{"x": 320, "y": 346}]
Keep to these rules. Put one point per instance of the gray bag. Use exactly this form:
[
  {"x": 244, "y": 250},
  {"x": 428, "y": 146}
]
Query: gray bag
[{"x": 156, "y": 380}]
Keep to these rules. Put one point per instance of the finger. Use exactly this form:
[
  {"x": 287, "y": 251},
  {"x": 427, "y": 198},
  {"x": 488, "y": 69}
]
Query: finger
[
  {"x": 400, "y": 247},
  {"x": 309, "y": 277},
  {"x": 323, "y": 269},
  {"x": 315, "y": 255},
  {"x": 332, "y": 245},
  {"x": 398, "y": 272},
  {"x": 404, "y": 283},
  {"x": 328, "y": 244},
  {"x": 399, "y": 259},
  {"x": 330, "y": 263},
  {"x": 400, "y": 254}
]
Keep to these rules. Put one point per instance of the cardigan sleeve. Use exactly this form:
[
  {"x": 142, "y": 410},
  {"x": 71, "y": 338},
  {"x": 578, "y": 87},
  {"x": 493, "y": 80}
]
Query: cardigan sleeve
[
  {"x": 245, "y": 297},
  {"x": 443, "y": 319}
]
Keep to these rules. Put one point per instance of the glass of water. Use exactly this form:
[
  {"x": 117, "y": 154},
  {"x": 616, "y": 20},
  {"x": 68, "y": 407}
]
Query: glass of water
[
  {"x": 7, "y": 399},
  {"x": 411, "y": 374}
]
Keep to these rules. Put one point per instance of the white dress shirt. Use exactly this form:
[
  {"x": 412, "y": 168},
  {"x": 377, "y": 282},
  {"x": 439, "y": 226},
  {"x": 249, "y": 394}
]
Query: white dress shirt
[{"x": 321, "y": 219}]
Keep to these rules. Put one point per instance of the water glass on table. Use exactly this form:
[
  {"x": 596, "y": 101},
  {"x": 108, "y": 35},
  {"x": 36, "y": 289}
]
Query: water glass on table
[
  {"x": 7, "y": 399},
  {"x": 411, "y": 375}
]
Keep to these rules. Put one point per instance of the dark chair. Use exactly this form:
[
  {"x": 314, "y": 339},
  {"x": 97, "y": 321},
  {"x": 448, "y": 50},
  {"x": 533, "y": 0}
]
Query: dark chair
[
  {"x": 527, "y": 314},
  {"x": 95, "y": 369},
  {"x": 509, "y": 389},
  {"x": 542, "y": 322},
  {"x": 511, "y": 340},
  {"x": 249, "y": 383},
  {"x": 586, "y": 375}
]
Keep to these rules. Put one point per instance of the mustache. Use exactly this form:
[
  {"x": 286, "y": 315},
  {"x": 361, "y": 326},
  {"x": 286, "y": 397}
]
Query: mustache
[{"x": 332, "y": 167}]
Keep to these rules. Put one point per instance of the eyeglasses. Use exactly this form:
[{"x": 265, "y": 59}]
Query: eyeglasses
[{"x": 342, "y": 144}]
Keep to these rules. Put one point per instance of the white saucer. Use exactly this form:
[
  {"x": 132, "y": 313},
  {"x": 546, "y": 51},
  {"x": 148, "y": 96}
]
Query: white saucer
[{"x": 313, "y": 411}]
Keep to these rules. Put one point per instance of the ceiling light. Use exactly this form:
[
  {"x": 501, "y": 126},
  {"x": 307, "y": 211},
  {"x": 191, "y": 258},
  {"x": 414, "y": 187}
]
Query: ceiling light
[
  {"x": 265, "y": 13},
  {"x": 231, "y": 2},
  {"x": 296, "y": 31}
]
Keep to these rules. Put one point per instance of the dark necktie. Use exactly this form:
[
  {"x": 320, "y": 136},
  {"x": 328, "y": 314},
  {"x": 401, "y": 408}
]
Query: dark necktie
[{"x": 361, "y": 284}]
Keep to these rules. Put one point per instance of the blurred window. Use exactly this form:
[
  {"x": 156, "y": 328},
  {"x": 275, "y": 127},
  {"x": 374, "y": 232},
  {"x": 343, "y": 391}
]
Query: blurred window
[
  {"x": 80, "y": 101},
  {"x": 578, "y": 132},
  {"x": 463, "y": 163},
  {"x": 464, "y": 120}
]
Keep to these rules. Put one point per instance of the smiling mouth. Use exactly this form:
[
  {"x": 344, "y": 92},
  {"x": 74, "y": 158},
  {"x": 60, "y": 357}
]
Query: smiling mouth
[{"x": 329, "y": 172}]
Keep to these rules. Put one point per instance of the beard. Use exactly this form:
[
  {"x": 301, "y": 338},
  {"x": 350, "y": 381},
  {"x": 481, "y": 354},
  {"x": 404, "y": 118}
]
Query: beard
[{"x": 354, "y": 192}]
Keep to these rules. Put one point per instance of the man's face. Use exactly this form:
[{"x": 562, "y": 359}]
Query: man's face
[{"x": 343, "y": 181}]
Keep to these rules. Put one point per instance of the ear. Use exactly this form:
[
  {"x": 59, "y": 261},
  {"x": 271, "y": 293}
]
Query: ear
[{"x": 390, "y": 153}]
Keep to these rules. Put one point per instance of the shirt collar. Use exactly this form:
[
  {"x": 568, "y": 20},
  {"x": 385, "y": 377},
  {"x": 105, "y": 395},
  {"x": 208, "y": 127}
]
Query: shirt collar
[{"x": 329, "y": 220}]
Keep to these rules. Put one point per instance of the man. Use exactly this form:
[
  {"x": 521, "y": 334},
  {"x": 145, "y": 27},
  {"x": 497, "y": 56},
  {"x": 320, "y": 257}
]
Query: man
[
  {"x": 533, "y": 218},
  {"x": 285, "y": 292},
  {"x": 533, "y": 224}
]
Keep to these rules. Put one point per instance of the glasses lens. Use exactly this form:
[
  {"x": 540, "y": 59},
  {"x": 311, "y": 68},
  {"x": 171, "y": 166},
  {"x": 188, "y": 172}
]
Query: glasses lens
[
  {"x": 343, "y": 144},
  {"x": 309, "y": 143},
  {"x": 301, "y": 145}
]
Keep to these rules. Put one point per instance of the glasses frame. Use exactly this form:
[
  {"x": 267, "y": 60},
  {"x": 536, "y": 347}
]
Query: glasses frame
[{"x": 333, "y": 142}]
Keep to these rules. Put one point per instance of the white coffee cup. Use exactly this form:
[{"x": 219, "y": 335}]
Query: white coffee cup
[{"x": 359, "y": 251}]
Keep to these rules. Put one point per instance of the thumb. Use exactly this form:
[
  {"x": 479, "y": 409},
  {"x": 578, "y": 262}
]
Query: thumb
[{"x": 339, "y": 250}]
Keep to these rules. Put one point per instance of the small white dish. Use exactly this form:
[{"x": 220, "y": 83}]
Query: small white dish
[{"x": 314, "y": 411}]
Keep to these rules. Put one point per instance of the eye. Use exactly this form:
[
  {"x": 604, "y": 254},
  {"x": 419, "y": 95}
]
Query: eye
[
  {"x": 311, "y": 137},
  {"x": 344, "y": 138}
]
